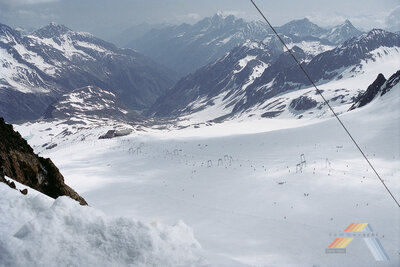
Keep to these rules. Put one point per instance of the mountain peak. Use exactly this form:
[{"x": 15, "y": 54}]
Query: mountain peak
[
  {"x": 5, "y": 29},
  {"x": 52, "y": 30},
  {"x": 219, "y": 14},
  {"x": 342, "y": 32},
  {"x": 301, "y": 27},
  {"x": 3, "y": 26},
  {"x": 218, "y": 21},
  {"x": 374, "y": 34},
  {"x": 372, "y": 40},
  {"x": 222, "y": 17},
  {"x": 347, "y": 22},
  {"x": 8, "y": 34},
  {"x": 305, "y": 20}
]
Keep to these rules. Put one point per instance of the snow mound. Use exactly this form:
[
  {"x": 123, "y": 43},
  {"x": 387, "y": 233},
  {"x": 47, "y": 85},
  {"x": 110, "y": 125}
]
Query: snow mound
[{"x": 39, "y": 231}]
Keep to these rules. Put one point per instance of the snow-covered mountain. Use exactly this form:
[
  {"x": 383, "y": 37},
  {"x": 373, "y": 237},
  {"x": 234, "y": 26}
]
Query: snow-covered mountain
[
  {"x": 36, "y": 69},
  {"x": 185, "y": 48},
  {"x": 224, "y": 79},
  {"x": 305, "y": 28},
  {"x": 242, "y": 83},
  {"x": 341, "y": 33},
  {"x": 302, "y": 27},
  {"x": 88, "y": 103},
  {"x": 188, "y": 47}
]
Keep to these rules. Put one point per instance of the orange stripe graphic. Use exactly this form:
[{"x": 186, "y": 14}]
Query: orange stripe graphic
[
  {"x": 346, "y": 242},
  {"x": 356, "y": 227},
  {"x": 340, "y": 243},
  {"x": 361, "y": 226},
  {"x": 350, "y": 227},
  {"x": 334, "y": 243}
]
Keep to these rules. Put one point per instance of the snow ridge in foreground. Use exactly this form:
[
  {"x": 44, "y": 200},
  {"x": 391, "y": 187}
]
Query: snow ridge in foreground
[{"x": 44, "y": 231}]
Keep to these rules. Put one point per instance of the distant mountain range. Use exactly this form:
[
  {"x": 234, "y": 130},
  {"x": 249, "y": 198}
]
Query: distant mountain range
[
  {"x": 56, "y": 73},
  {"x": 36, "y": 69},
  {"x": 259, "y": 78},
  {"x": 185, "y": 48},
  {"x": 305, "y": 28}
]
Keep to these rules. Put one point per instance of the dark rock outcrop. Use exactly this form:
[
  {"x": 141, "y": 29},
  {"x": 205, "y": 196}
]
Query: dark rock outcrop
[
  {"x": 303, "y": 103},
  {"x": 379, "y": 87},
  {"x": 371, "y": 92},
  {"x": 391, "y": 82},
  {"x": 18, "y": 161}
]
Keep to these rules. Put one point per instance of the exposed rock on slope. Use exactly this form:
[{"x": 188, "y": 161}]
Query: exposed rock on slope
[
  {"x": 379, "y": 87},
  {"x": 371, "y": 92},
  {"x": 89, "y": 102},
  {"x": 18, "y": 161},
  {"x": 303, "y": 103}
]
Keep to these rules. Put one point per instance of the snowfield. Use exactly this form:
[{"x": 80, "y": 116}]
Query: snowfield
[
  {"x": 45, "y": 232},
  {"x": 237, "y": 184}
]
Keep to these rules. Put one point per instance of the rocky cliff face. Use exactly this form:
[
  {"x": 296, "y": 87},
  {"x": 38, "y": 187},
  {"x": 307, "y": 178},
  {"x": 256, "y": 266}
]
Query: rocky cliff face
[
  {"x": 377, "y": 89},
  {"x": 18, "y": 161}
]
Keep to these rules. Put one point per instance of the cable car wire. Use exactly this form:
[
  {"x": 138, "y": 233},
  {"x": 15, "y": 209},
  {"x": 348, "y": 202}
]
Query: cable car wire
[{"x": 326, "y": 102}]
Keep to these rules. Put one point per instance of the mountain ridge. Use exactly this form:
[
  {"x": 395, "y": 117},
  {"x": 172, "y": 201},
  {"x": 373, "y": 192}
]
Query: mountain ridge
[
  {"x": 229, "y": 97},
  {"x": 35, "y": 70},
  {"x": 188, "y": 47}
]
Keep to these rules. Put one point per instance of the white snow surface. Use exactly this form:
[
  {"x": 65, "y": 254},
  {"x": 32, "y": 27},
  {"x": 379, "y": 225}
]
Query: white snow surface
[
  {"x": 312, "y": 48},
  {"x": 17, "y": 75},
  {"x": 236, "y": 183},
  {"x": 243, "y": 62},
  {"x": 39, "y": 231}
]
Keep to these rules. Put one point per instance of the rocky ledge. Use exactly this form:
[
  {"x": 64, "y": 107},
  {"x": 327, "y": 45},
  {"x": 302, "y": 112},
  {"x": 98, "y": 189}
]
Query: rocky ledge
[{"x": 19, "y": 162}]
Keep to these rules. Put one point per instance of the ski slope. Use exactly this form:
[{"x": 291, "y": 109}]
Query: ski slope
[{"x": 236, "y": 183}]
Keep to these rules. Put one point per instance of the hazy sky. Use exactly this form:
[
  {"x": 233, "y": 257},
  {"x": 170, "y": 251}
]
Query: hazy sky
[{"x": 107, "y": 17}]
